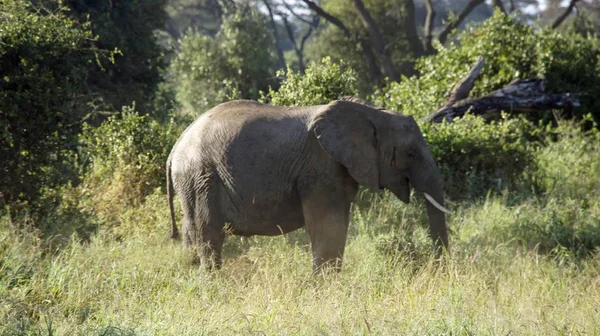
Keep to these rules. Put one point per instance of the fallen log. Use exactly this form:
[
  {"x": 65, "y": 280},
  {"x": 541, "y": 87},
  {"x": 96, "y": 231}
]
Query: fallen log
[{"x": 519, "y": 96}]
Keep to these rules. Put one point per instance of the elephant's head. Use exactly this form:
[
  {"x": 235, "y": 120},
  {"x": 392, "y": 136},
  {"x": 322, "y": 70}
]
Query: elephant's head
[{"x": 381, "y": 149}]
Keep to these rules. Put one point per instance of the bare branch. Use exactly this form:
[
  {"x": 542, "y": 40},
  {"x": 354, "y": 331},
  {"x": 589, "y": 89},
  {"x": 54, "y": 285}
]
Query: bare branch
[
  {"x": 311, "y": 28},
  {"x": 559, "y": 20},
  {"x": 296, "y": 15},
  {"x": 280, "y": 56},
  {"x": 461, "y": 89},
  {"x": 429, "y": 26},
  {"x": 335, "y": 21},
  {"x": 290, "y": 32},
  {"x": 456, "y": 22},
  {"x": 520, "y": 95},
  {"x": 377, "y": 39}
]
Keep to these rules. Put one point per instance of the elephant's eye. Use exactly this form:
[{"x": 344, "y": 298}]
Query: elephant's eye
[{"x": 411, "y": 155}]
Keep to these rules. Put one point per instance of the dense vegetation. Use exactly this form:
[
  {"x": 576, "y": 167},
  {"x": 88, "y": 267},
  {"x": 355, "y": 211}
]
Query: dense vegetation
[{"x": 91, "y": 104}]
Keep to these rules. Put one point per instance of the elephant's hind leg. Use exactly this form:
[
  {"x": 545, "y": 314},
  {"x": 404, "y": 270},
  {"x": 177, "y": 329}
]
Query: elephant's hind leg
[{"x": 210, "y": 224}]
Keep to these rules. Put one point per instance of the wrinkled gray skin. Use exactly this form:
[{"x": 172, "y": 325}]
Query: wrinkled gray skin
[{"x": 246, "y": 169}]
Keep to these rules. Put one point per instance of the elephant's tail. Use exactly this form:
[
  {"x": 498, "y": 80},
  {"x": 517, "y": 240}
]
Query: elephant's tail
[{"x": 170, "y": 194}]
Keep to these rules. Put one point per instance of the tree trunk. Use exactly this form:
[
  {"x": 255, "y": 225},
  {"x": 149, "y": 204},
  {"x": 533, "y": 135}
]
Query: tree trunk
[
  {"x": 376, "y": 39},
  {"x": 428, "y": 29},
  {"x": 520, "y": 95},
  {"x": 280, "y": 57},
  {"x": 412, "y": 32}
]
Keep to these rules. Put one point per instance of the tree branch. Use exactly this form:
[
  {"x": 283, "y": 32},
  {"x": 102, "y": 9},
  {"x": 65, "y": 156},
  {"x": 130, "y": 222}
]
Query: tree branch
[
  {"x": 427, "y": 45},
  {"x": 296, "y": 15},
  {"x": 290, "y": 32},
  {"x": 559, "y": 20},
  {"x": 377, "y": 39},
  {"x": 298, "y": 49},
  {"x": 311, "y": 28},
  {"x": 520, "y": 95},
  {"x": 456, "y": 22},
  {"x": 335, "y": 21},
  {"x": 461, "y": 89}
]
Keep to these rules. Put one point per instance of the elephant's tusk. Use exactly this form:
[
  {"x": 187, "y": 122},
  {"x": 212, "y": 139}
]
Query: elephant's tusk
[{"x": 436, "y": 204}]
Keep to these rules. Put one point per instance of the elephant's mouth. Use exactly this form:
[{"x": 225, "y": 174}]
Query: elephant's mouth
[{"x": 402, "y": 190}]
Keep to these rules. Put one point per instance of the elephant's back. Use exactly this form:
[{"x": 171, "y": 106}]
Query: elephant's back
[{"x": 238, "y": 133}]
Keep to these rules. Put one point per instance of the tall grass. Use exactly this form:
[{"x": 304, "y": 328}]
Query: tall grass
[{"x": 522, "y": 262}]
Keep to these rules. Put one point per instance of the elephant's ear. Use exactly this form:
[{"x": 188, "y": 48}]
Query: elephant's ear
[{"x": 346, "y": 131}]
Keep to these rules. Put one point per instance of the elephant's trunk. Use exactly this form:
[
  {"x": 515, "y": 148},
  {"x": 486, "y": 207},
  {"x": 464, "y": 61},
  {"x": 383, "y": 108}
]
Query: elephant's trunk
[
  {"x": 428, "y": 180},
  {"x": 437, "y": 219}
]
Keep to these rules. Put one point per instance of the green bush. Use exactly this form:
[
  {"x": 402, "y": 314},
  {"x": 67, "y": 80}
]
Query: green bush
[
  {"x": 492, "y": 156},
  {"x": 130, "y": 28},
  {"x": 567, "y": 166},
  {"x": 44, "y": 61},
  {"x": 127, "y": 156},
  {"x": 475, "y": 156},
  {"x": 236, "y": 63},
  {"x": 132, "y": 146},
  {"x": 561, "y": 226},
  {"x": 322, "y": 83},
  {"x": 511, "y": 49}
]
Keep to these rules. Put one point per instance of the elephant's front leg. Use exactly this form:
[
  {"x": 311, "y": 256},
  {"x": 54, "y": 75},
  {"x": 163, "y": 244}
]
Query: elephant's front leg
[{"x": 327, "y": 226}]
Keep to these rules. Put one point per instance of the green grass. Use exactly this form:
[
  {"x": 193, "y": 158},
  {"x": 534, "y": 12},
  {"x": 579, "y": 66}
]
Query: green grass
[
  {"x": 146, "y": 284},
  {"x": 524, "y": 262}
]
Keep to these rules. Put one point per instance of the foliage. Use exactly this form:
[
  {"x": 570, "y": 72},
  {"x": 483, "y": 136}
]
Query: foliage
[
  {"x": 44, "y": 58},
  {"x": 202, "y": 15},
  {"x": 393, "y": 19},
  {"x": 570, "y": 62},
  {"x": 131, "y": 145},
  {"x": 321, "y": 83},
  {"x": 129, "y": 27},
  {"x": 566, "y": 171},
  {"x": 236, "y": 63},
  {"x": 476, "y": 156},
  {"x": 127, "y": 156},
  {"x": 569, "y": 154}
]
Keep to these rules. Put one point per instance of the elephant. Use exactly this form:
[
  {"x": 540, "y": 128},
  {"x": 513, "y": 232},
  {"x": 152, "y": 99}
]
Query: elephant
[{"x": 247, "y": 168}]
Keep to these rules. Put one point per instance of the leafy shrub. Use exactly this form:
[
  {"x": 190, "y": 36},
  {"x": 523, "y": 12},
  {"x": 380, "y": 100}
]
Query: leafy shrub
[
  {"x": 511, "y": 49},
  {"x": 236, "y": 63},
  {"x": 562, "y": 225},
  {"x": 571, "y": 63},
  {"x": 475, "y": 156},
  {"x": 568, "y": 165},
  {"x": 129, "y": 27},
  {"x": 561, "y": 216},
  {"x": 44, "y": 59},
  {"x": 127, "y": 156},
  {"x": 479, "y": 155},
  {"x": 322, "y": 83}
]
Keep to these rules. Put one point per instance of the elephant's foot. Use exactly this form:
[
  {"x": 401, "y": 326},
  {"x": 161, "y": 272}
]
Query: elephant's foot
[
  {"x": 174, "y": 234},
  {"x": 211, "y": 247},
  {"x": 322, "y": 266}
]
